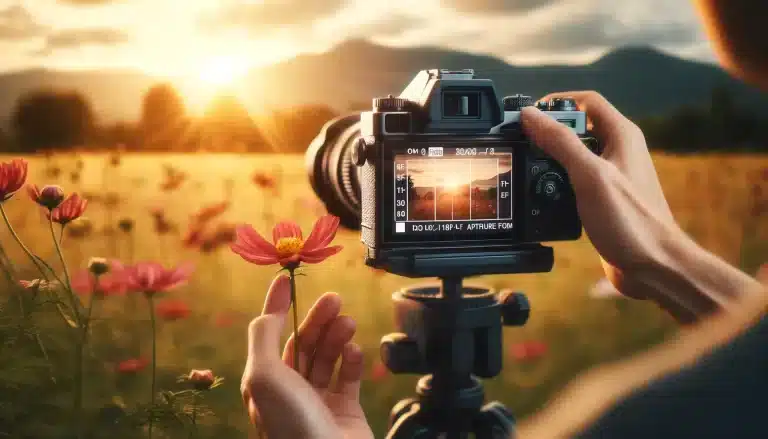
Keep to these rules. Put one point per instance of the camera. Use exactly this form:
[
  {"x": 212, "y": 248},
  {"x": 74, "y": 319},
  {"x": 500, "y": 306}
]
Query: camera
[{"x": 441, "y": 179}]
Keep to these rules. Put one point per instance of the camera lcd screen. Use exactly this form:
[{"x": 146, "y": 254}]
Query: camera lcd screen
[{"x": 461, "y": 192}]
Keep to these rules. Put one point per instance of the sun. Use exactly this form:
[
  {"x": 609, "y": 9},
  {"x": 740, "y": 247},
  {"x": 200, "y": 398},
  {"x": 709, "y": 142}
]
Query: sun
[{"x": 222, "y": 70}]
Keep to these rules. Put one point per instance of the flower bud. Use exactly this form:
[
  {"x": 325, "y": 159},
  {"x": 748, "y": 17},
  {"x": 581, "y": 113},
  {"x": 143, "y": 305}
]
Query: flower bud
[
  {"x": 98, "y": 266},
  {"x": 201, "y": 379},
  {"x": 125, "y": 224},
  {"x": 49, "y": 197}
]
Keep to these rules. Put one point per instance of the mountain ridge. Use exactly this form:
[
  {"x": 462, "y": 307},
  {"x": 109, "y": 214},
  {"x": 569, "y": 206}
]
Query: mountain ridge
[{"x": 640, "y": 81}]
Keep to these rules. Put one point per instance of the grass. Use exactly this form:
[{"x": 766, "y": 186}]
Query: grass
[{"x": 709, "y": 196}]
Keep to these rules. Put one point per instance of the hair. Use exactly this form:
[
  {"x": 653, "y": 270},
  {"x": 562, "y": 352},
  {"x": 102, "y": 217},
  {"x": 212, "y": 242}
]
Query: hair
[
  {"x": 737, "y": 30},
  {"x": 589, "y": 396}
]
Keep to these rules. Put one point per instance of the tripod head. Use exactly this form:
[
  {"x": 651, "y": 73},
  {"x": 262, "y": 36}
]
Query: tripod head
[{"x": 453, "y": 336}]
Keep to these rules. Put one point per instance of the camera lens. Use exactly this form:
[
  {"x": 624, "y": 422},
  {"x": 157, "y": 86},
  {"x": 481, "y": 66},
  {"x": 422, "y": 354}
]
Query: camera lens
[{"x": 332, "y": 171}]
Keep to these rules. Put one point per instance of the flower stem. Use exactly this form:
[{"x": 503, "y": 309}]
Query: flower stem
[
  {"x": 80, "y": 354},
  {"x": 194, "y": 414},
  {"x": 151, "y": 304},
  {"x": 68, "y": 285},
  {"x": 292, "y": 277},
  {"x": 18, "y": 240}
]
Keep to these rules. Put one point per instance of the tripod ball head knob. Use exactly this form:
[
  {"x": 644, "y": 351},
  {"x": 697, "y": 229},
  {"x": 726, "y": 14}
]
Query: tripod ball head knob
[
  {"x": 515, "y": 309},
  {"x": 401, "y": 354}
]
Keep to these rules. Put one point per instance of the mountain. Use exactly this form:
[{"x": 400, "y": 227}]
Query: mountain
[{"x": 640, "y": 81}]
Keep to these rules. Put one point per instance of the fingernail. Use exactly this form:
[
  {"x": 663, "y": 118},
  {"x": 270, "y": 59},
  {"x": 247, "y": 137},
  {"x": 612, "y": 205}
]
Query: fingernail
[{"x": 528, "y": 111}]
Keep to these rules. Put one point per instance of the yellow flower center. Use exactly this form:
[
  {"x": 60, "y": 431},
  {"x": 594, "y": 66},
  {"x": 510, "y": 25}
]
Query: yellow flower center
[{"x": 289, "y": 246}]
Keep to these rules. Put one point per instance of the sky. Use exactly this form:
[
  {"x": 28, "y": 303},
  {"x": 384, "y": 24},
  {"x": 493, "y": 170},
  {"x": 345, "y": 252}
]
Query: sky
[
  {"x": 218, "y": 39},
  {"x": 455, "y": 172}
]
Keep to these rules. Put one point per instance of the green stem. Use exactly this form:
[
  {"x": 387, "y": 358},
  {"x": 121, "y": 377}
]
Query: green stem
[
  {"x": 80, "y": 354},
  {"x": 8, "y": 270},
  {"x": 73, "y": 300},
  {"x": 18, "y": 240},
  {"x": 292, "y": 277},
  {"x": 154, "y": 358},
  {"x": 194, "y": 414}
]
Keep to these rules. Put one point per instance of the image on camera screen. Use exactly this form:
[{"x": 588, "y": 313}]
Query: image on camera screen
[{"x": 461, "y": 185}]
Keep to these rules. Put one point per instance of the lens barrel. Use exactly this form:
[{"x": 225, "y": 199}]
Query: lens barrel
[{"x": 332, "y": 172}]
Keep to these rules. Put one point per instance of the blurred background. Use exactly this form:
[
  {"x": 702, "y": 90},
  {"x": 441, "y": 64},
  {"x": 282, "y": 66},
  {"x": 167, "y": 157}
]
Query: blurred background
[{"x": 160, "y": 112}]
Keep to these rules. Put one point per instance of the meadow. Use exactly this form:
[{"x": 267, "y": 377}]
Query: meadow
[{"x": 141, "y": 207}]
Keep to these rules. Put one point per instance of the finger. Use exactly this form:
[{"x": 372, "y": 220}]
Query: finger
[
  {"x": 350, "y": 373},
  {"x": 264, "y": 331},
  {"x": 329, "y": 350},
  {"x": 608, "y": 121},
  {"x": 557, "y": 140},
  {"x": 317, "y": 322}
]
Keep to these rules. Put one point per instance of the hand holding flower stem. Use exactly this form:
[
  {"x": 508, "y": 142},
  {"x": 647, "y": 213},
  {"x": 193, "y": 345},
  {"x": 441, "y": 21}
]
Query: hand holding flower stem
[{"x": 289, "y": 249}]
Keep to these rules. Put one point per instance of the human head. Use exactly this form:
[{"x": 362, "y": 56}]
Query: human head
[{"x": 737, "y": 29}]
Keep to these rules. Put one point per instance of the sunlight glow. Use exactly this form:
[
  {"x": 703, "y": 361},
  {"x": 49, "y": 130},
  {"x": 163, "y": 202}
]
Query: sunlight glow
[{"x": 223, "y": 70}]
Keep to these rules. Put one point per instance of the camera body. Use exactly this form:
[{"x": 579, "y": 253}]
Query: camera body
[{"x": 447, "y": 178}]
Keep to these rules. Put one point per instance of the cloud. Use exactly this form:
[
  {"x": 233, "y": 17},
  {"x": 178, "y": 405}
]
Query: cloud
[
  {"x": 261, "y": 18},
  {"x": 76, "y": 38},
  {"x": 16, "y": 23},
  {"x": 495, "y": 6}
]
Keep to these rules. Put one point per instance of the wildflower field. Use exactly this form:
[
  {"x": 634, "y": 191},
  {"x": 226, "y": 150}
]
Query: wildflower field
[{"x": 120, "y": 365}]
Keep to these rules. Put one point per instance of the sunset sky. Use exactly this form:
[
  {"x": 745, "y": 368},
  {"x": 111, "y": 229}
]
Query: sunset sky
[{"x": 218, "y": 39}]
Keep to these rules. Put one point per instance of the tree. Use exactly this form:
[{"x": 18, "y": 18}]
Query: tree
[
  {"x": 47, "y": 119},
  {"x": 163, "y": 117},
  {"x": 227, "y": 126},
  {"x": 294, "y": 130},
  {"x": 412, "y": 194}
]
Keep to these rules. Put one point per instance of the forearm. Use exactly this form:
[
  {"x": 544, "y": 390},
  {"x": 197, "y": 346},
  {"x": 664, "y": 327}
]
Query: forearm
[{"x": 690, "y": 282}]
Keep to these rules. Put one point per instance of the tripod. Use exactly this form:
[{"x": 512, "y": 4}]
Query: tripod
[{"x": 459, "y": 338}]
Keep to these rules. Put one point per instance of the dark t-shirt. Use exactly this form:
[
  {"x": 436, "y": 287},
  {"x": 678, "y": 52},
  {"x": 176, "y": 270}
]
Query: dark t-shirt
[{"x": 724, "y": 395}]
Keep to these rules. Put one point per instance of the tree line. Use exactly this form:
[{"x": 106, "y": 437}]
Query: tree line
[
  {"x": 49, "y": 119},
  {"x": 45, "y": 120}
]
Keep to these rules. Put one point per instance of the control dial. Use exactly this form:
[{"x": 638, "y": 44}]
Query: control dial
[
  {"x": 550, "y": 186},
  {"x": 516, "y": 102},
  {"x": 389, "y": 103}
]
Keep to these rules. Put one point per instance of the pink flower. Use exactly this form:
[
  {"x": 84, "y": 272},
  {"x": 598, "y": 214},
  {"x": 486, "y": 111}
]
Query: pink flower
[
  {"x": 69, "y": 210},
  {"x": 210, "y": 212},
  {"x": 49, "y": 197},
  {"x": 288, "y": 247},
  {"x": 201, "y": 379},
  {"x": 152, "y": 277},
  {"x": 173, "y": 310},
  {"x": 13, "y": 174},
  {"x": 379, "y": 371},
  {"x": 132, "y": 365},
  {"x": 264, "y": 180},
  {"x": 527, "y": 351},
  {"x": 110, "y": 284}
]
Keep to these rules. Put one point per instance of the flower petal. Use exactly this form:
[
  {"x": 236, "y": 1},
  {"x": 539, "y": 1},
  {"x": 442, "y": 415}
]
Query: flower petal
[
  {"x": 253, "y": 257},
  {"x": 322, "y": 233},
  {"x": 286, "y": 229},
  {"x": 251, "y": 240},
  {"x": 178, "y": 276},
  {"x": 319, "y": 255}
]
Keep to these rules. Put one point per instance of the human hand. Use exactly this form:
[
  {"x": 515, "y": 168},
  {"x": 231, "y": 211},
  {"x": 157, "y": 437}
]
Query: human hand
[
  {"x": 620, "y": 200},
  {"x": 284, "y": 402}
]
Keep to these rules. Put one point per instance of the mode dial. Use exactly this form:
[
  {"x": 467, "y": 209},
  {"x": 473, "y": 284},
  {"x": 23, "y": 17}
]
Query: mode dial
[
  {"x": 389, "y": 103},
  {"x": 550, "y": 186},
  {"x": 516, "y": 102}
]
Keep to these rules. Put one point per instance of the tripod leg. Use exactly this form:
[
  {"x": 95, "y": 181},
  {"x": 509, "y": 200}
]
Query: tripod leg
[
  {"x": 403, "y": 407},
  {"x": 408, "y": 427},
  {"x": 494, "y": 422}
]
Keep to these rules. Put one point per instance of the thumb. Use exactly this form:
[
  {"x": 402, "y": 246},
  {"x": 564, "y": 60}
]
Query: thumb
[
  {"x": 264, "y": 332},
  {"x": 555, "y": 139}
]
